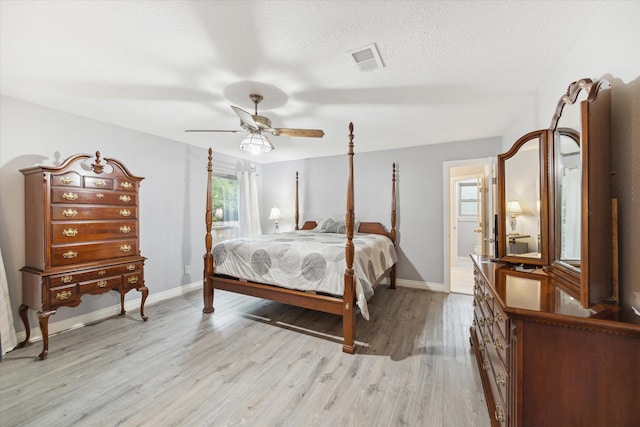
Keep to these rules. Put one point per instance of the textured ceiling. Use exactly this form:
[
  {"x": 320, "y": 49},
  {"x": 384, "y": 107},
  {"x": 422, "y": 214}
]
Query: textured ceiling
[{"x": 453, "y": 70}]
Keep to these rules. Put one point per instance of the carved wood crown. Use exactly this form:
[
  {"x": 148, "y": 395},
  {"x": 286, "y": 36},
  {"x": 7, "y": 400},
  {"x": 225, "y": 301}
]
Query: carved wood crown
[{"x": 592, "y": 88}]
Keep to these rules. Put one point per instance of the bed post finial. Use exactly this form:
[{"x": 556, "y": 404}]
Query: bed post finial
[
  {"x": 207, "y": 288},
  {"x": 297, "y": 209}
]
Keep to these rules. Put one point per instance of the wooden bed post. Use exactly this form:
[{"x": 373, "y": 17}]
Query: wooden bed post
[
  {"x": 392, "y": 235},
  {"x": 349, "y": 312},
  {"x": 208, "y": 256},
  {"x": 297, "y": 210}
]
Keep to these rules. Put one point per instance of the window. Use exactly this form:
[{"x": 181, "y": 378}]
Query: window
[
  {"x": 468, "y": 198},
  {"x": 225, "y": 207}
]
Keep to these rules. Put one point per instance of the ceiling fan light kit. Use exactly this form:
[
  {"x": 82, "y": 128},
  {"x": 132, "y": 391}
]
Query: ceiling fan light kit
[{"x": 255, "y": 142}]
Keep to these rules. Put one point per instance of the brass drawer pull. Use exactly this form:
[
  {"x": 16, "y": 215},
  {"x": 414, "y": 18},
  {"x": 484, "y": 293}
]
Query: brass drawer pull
[
  {"x": 69, "y": 212},
  {"x": 65, "y": 180},
  {"x": 125, "y": 248},
  {"x": 67, "y": 279},
  {"x": 133, "y": 280},
  {"x": 125, "y": 212},
  {"x": 69, "y": 255},
  {"x": 125, "y": 229},
  {"x": 500, "y": 380},
  {"x": 69, "y": 196},
  {"x": 99, "y": 183},
  {"x": 100, "y": 195},
  {"x": 70, "y": 232},
  {"x": 126, "y": 185},
  {"x": 63, "y": 295},
  {"x": 125, "y": 199},
  {"x": 102, "y": 272},
  {"x": 499, "y": 414},
  {"x": 131, "y": 267},
  {"x": 102, "y": 284}
]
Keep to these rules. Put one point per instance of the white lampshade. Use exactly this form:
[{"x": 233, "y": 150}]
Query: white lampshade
[
  {"x": 275, "y": 214},
  {"x": 256, "y": 143},
  {"x": 513, "y": 207}
]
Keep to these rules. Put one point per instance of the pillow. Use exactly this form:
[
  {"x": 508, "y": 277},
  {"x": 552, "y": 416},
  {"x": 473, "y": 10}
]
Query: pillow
[
  {"x": 340, "y": 226},
  {"x": 323, "y": 224}
]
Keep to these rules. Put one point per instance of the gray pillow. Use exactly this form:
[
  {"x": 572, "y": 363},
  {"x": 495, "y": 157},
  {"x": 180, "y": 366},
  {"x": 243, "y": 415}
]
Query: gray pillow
[{"x": 340, "y": 226}]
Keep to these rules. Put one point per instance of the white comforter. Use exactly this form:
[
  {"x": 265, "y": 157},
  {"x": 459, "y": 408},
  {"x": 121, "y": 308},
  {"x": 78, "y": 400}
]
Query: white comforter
[{"x": 307, "y": 261}]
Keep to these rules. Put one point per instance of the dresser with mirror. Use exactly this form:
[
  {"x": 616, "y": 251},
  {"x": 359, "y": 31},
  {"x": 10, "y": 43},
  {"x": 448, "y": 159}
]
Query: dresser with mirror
[{"x": 552, "y": 343}]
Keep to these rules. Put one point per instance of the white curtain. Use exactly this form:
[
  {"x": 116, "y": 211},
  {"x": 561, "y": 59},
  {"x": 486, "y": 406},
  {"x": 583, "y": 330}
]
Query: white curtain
[
  {"x": 248, "y": 209},
  {"x": 8, "y": 338}
]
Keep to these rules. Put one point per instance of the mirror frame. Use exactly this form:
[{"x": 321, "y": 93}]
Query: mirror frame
[
  {"x": 543, "y": 137},
  {"x": 596, "y": 280}
]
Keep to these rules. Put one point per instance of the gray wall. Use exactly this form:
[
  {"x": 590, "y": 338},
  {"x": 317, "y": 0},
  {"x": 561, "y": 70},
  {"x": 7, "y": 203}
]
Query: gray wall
[
  {"x": 419, "y": 195},
  {"x": 172, "y": 195}
]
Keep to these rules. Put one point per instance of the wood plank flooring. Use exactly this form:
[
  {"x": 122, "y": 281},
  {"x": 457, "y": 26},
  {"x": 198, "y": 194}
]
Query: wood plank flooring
[{"x": 257, "y": 363}]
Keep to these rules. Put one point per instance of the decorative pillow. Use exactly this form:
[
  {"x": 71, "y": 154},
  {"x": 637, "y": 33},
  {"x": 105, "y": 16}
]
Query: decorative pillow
[
  {"x": 340, "y": 226},
  {"x": 323, "y": 224}
]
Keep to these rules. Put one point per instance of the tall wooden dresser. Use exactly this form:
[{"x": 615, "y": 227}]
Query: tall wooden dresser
[{"x": 81, "y": 230}]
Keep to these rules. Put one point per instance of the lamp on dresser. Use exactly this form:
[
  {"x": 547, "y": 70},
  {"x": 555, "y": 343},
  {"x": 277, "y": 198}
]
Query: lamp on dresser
[{"x": 514, "y": 209}]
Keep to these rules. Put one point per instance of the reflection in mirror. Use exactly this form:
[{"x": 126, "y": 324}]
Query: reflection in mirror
[
  {"x": 569, "y": 195},
  {"x": 522, "y": 201}
]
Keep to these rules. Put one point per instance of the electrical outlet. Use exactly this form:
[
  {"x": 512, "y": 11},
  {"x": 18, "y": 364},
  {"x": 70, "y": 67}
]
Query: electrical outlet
[{"x": 187, "y": 269}]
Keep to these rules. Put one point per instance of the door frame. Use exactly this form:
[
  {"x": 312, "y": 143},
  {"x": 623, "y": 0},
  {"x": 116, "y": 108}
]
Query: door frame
[{"x": 447, "y": 194}]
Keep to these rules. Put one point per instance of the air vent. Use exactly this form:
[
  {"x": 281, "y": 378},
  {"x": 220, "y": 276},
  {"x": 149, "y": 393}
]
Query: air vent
[{"x": 367, "y": 58}]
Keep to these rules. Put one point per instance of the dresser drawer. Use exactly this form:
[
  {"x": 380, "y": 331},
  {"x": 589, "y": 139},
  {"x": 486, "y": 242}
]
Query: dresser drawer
[
  {"x": 498, "y": 382},
  {"x": 69, "y": 179},
  {"x": 76, "y": 254},
  {"x": 100, "y": 285},
  {"x": 93, "y": 274},
  {"x": 61, "y": 195},
  {"x": 501, "y": 321},
  {"x": 133, "y": 280},
  {"x": 123, "y": 184},
  {"x": 61, "y": 212},
  {"x": 63, "y": 295},
  {"x": 72, "y": 232},
  {"x": 98, "y": 182}
]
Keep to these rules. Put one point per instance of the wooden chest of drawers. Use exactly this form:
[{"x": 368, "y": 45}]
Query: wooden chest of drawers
[{"x": 81, "y": 236}]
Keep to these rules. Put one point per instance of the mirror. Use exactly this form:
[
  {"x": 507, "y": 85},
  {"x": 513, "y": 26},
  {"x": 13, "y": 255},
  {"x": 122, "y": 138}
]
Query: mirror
[
  {"x": 522, "y": 223},
  {"x": 568, "y": 197},
  {"x": 582, "y": 213}
]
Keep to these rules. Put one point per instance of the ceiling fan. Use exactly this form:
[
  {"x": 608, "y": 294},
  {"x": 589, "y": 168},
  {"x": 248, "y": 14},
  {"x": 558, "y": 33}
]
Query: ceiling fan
[{"x": 256, "y": 124}]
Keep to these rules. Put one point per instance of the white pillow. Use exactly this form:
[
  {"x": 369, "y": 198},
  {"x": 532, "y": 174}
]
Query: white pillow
[{"x": 323, "y": 224}]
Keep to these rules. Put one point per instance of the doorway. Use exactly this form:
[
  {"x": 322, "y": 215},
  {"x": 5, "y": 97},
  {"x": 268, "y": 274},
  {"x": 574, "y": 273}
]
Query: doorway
[{"x": 468, "y": 209}]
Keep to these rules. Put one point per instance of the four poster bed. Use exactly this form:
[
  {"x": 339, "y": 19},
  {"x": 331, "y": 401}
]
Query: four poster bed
[{"x": 312, "y": 267}]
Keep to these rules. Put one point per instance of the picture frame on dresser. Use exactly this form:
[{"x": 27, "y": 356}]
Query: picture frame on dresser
[{"x": 81, "y": 237}]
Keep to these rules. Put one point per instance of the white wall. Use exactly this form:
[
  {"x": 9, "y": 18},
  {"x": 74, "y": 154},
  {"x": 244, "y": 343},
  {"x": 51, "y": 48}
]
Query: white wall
[
  {"x": 608, "y": 49},
  {"x": 172, "y": 195}
]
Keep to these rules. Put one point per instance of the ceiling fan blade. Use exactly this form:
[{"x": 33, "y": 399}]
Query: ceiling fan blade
[
  {"x": 305, "y": 133},
  {"x": 213, "y": 130},
  {"x": 245, "y": 117}
]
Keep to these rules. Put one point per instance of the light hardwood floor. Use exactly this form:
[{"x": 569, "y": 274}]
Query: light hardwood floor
[{"x": 255, "y": 363}]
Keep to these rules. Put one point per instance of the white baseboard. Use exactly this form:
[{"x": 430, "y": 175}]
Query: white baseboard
[
  {"x": 104, "y": 313},
  {"x": 433, "y": 287}
]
